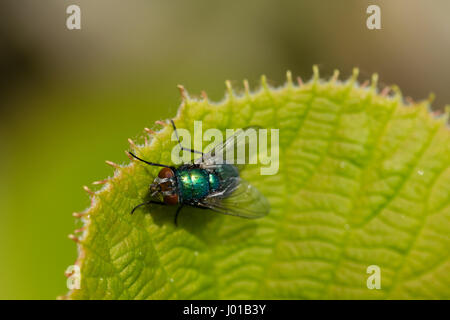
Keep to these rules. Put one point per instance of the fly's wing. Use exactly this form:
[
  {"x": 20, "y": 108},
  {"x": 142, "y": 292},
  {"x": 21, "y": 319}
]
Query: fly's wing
[
  {"x": 238, "y": 198},
  {"x": 239, "y": 149}
]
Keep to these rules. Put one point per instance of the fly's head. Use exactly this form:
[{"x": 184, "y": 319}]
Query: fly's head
[{"x": 164, "y": 186}]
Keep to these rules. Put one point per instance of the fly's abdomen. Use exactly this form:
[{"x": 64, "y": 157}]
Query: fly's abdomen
[
  {"x": 214, "y": 182},
  {"x": 193, "y": 184},
  {"x": 226, "y": 171}
]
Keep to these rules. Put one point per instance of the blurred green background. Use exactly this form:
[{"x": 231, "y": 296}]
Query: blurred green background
[{"x": 70, "y": 99}]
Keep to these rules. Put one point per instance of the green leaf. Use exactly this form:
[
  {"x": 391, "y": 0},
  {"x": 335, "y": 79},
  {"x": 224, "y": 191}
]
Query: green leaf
[{"x": 364, "y": 180}]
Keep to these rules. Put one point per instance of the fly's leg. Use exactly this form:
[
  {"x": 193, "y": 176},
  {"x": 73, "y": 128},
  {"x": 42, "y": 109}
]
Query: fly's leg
[
  {"x": 146, "y": 203},
  {"x": 160, "y": 203},
  {"x": 177, "y": 213}
]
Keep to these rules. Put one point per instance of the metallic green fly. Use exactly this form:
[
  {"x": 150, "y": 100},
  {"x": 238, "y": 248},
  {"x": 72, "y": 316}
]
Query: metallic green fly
[{"x": 208, "y": 183}]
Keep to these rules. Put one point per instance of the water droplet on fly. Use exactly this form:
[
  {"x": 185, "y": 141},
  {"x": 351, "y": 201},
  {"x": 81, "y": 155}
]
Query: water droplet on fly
[{"x": 420, "y": 172}]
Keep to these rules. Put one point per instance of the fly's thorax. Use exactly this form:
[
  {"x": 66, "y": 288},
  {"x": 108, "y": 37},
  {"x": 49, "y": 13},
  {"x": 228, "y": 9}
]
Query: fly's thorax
[{"x": 195, "y": 183}]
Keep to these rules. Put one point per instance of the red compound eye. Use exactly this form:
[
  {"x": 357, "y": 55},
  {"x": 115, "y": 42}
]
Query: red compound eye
[{"x": 166, "y": 173}]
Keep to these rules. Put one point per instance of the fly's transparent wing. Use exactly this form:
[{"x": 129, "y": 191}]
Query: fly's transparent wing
[
  {"x": 238, "y": 198},
  {"x": 239, "y": 149}
]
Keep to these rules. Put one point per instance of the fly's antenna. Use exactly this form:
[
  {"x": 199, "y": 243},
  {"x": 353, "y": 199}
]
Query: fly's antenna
[
  {"x": 183, "y": 148},
  {"x": 145, "y": 203},
  {"x": 150, "y": 163}
]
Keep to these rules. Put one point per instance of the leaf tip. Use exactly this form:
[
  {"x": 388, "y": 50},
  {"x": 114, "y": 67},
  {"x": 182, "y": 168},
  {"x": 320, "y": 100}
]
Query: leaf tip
[
  {"x": 132, "y": 144},
  {"x": 335, "y": 75},
  {"x": 89, "y": 191},
  {"x": 289, "y": 78},
  {"x": 374, "y": 83},
  {"x": 431, "y": 97},
  {"x": 246, "y": 87},
  {"x": 264, "y": 82},
  {"x": 127, "y": 153},
  {"x": 385, "y": 91},
  {"x": 112, "y": 164},
  {"x": 73, "y": 238},
  {"x": 183, "y": 92},
  {"x": 364, "y": 84},
  {"x": 442, "y": 115},
  {"x": 78, "y": 215},
  {"x": 204, "y": 95},
  {"x": 229, "y": 88},
  {"x": 409, "y": 100},
  {"x": 354, "y": 77},
  {"x": 316, "y": 73},
  {"x": 100, "y": 182},
  {"x": 149, "y": 131},
  {"x": 79, "y": 230},
  {"x": 397, "y": 92},
  {"x": 161, "y": 123}
]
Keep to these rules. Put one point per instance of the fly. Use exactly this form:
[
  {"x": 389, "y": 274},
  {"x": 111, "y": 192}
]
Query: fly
[{"x": 207, "y": 183}]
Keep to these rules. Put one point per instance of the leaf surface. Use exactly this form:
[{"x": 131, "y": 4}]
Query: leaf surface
[{"x": 363, "y": 180}]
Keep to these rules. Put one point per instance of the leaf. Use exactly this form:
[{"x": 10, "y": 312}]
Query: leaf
[{"x": 364, "y": 180}]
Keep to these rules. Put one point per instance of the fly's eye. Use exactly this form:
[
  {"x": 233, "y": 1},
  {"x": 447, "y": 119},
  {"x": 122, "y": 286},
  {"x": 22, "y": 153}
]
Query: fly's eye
[{"x": 165, "y": 173}]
